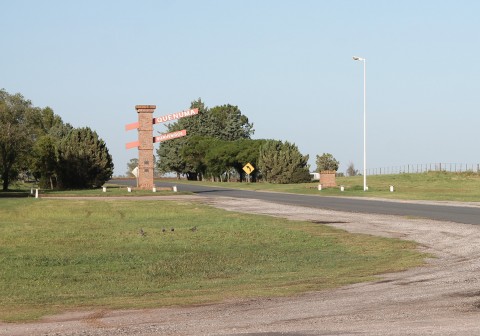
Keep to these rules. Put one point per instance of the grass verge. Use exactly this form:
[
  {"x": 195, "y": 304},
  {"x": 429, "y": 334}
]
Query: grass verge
[
  {"x": 434, "y": 186},
  {"x": 58, "y": 255}
]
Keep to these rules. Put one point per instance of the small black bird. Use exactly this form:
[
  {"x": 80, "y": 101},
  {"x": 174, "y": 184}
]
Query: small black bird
[
  {"x": 164, "y": 230},
  {"x": 172, "y": 229}
]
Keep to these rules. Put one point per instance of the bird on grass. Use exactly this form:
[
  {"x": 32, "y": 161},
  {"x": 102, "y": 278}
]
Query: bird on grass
[
  {"x": 164, "y": 230},
  {"x": 172, "y": 229},
  {"x": 142, "y": 233},
  {"x": 193, "y": 229}
]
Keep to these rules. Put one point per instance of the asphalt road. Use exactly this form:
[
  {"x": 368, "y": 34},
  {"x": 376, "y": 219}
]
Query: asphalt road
[{"x": 452, "y": 213}]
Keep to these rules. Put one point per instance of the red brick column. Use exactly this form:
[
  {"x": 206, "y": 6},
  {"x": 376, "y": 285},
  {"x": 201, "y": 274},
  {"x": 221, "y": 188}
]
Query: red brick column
[
  {"x": 145, "y": 147},
  {"x": 327, "y": 178}
]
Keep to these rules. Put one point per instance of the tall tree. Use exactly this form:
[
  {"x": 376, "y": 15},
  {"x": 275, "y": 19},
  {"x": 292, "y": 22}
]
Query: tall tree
[
  {"x": 169, "y": 152},
  {"x": 326, "y": 162},
  {"x": 44, "y": 163},
  {"x": 15, "y": 136},
  {"x": 283, "y": 163},
  {"x": 43, "y": 159},
  {"x": 83, "y": 160},
  {"x": 194, "y": 153},
  {"x": 228, "y": 123},
  {"x": 224, "y": 122},
  {"x": 249, "y": 151}
]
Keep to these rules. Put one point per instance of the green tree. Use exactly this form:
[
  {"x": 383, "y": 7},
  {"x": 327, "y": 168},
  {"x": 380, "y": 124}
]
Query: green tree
[
  {"x": 326, "y": 162},
  {"x": 83, "y": 160},
  {"x": 248, "y": 152},
  {"x": 44, "y": 161},
  {"x": 283, "y": 163},
  {"x": 228, "y": 123},
  {"x": 16, "y": 137},
  {"x": 224, "y": 122},
  {"x": 169, "y": 157}
]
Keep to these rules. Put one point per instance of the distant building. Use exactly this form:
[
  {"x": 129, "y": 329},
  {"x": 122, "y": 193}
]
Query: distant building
[{"x": 315, "y": 176}]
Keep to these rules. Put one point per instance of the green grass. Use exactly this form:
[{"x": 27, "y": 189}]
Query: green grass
[
  {"x": 436, "y": 186},
  {"x": 113, "y": 190},
  {"x": 58, "y": 255}
]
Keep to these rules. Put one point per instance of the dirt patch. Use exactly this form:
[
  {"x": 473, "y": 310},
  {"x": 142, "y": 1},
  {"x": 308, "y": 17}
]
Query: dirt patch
[{"x": 440, "y": 298}]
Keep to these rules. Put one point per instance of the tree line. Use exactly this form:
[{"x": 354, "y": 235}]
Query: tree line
[
  {"x": 218, "y": 145},
  {"x": 35, "y": 143}
]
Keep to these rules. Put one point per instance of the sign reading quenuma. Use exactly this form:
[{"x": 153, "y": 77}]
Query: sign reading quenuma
[{"x": 174, "y": 116}]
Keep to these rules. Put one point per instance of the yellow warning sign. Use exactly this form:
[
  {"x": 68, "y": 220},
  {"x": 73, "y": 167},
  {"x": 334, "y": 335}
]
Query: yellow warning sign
[{"x": 248, "y": 168}]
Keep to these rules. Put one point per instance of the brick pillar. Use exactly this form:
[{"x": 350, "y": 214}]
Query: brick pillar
[
  {"x": 145, "y": 147},
  {"x": 327, "y": 178}
]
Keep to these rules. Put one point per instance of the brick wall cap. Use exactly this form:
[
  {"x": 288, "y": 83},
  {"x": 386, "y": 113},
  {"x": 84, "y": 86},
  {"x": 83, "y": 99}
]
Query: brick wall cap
[
  {"x": 145, "y": 107},
  {"x": 328, "y": 172}
]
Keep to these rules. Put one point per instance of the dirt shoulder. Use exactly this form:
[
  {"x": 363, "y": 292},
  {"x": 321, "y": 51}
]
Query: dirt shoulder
[{"x": 441, "y": 298}]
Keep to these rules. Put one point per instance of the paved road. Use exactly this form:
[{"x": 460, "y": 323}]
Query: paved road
[{"x": 453, "y": 213}]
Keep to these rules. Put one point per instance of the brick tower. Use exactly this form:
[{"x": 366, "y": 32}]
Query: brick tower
[{"x": 145, "y": 147}]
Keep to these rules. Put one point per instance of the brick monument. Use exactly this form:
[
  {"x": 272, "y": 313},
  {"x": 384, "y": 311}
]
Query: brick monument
[
  {"x": 145, "y": 146},
  {"x": 146, "y": 139},
  {"x": 327, "y": 178}
]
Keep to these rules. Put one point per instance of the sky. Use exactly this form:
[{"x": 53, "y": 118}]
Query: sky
[{"x": 286, "y": 64}]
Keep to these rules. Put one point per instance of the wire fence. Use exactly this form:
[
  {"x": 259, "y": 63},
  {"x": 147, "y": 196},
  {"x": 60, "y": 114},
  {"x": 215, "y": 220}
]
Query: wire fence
[{"x": 426, "y": 167}]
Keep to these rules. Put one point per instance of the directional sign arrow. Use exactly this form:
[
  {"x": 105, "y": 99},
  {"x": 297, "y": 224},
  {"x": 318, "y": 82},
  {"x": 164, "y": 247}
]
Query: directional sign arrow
[
  {"x": 168, "y": 136},
  {"x": 174, "y": 116},
  {"x": 168, "y": 117}
]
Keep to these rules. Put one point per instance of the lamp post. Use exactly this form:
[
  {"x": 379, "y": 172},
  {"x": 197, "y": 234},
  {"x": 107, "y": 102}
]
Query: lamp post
[{"x": 355, "y": 58}]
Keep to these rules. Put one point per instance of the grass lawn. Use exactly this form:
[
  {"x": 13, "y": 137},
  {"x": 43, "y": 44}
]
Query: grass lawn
[{"x": 58, "y": 255}]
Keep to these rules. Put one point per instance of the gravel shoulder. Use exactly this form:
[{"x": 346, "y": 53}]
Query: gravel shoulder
[{"x": 440, "y": 298}]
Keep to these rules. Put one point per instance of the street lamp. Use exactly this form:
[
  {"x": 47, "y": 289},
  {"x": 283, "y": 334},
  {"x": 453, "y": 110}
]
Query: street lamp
[{"x": 355, "y": 58}]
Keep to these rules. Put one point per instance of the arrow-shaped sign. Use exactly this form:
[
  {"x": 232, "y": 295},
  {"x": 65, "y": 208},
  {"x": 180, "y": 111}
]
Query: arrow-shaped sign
[
  {"x": 174, "y": 116},
  {"x": 169, "y": 136},
  {"x": 248, "y": 168},
  {"x": 168, "y": 117},
  {"x": 160, "y": 138}
]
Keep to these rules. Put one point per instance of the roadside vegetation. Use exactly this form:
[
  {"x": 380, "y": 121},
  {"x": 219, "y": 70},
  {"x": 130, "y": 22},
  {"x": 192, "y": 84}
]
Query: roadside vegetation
[
  {"x": 434, "y": 186},
  {"x": 58, "y": 255},
  {"x": 35, "y": 144}
]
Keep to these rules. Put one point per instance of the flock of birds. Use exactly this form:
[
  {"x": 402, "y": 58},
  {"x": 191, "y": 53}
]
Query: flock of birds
[{"x": 143, "y": 233}]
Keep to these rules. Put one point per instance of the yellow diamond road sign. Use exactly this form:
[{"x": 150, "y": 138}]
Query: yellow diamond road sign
[{"x": 248, "y": 168}]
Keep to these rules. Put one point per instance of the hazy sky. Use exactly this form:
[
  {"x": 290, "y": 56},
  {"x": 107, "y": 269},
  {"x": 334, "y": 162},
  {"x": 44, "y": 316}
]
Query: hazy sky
[{"x": 286, "y": 64}]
